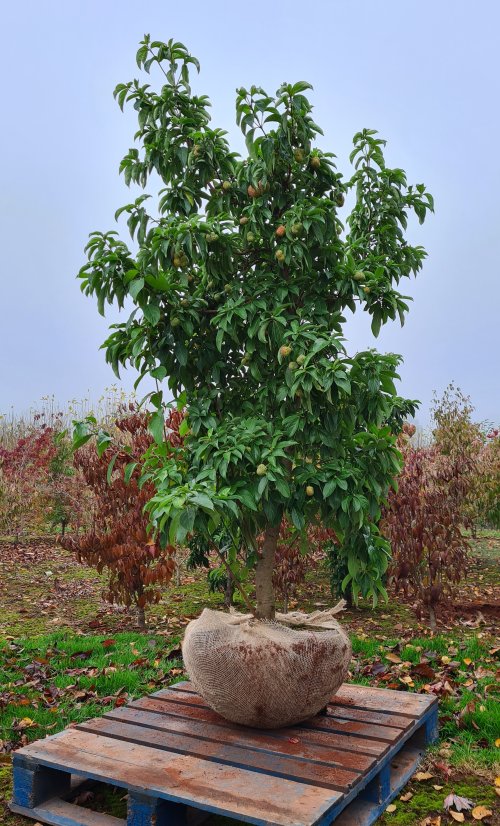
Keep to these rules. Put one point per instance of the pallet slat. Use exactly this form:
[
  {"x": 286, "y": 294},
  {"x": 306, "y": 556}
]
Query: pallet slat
[
  {"x": 325, "y": 752},
  {"x": 381, "y": 699},
  {"x": 316, "y": 774},
  {"x": 61, "y": 813},
  {"x": 176, "y": 758},
  {"x": 360, "y": 696},
  {"x": 328, "y": 722},
  {"x": 335, "y": 709},
  {"x": 344, "y": 739},
  {"x": 337, "y": 712}
]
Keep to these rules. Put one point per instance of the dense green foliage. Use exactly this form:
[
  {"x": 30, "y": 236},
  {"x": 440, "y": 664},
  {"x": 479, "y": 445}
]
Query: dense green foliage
[{"x": 240, "y": 279}]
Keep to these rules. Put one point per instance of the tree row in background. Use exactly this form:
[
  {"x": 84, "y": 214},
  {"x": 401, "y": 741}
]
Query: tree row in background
[{"x": 92, "y": 500}]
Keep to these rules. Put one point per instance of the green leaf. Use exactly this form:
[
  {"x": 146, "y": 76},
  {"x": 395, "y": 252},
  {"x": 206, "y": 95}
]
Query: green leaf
[
  {"x": 156, "y": 427},
  {"x": 135, "y": 287},
  {"x": 159, "y": 372},
  {"x": 152, "y": 314},
  {"x": 128, "y": 471},
  {"x": 183, "y": 427},
  {"x": 297, "y": 519},
  {"x": 103, "y": 441},
  {"x": 329, "y": 488},
  {"x": 283, "y": 487},
  {"x": 203, "y": 501},
  {"x": 376, "y": 321},
  {"x": 111, "y": 466}
]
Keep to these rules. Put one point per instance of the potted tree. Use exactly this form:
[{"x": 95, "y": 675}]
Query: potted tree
[{"x": 240, "y": 278}]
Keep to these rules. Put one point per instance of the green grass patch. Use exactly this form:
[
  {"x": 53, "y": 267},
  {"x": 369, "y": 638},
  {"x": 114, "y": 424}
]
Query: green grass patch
[
  {"x": 462, "y": 674},
  {"x": 428, "y": 801},
  {"x": 51, "y": 681}
]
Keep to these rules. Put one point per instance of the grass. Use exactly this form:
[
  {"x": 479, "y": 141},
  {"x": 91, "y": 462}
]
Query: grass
[
  {"x": 51, "y": 681},
  {"x": 470, "y": 670},
  {"x": 66, "y": 656},
  {"x": 426, "y": 799}
]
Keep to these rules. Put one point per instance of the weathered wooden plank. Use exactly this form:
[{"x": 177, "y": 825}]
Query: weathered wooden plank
[
  {"x": 57, "y": 812},
  {"x": 61, "y": 813},
  {"x": 188, "y": 697},
  {"x": 373, "y": 732},
  {"x": 257, "y": 798},
  {"x": 326, "y": 752},
  {"x": 383, "y": 699},
  {"x": 365, "y": 697},
  {"x": 364, "y": 731},
  {"x": 184, "y": 685},
  {"x": 330, "y": 777},
  {"x": 339, "y": 711},
  {"x": 381, "y": 718},
  {"x": 330, "y": 739}
]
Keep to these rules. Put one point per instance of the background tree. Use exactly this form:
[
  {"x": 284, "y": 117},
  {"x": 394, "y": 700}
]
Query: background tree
[
  {"x": 39, "y": 486},
  {"x": 25, "y": 468},
  {"x": 295, "y": 555},
  {"x": 461, "y": 439},
  {"x": 489, "y": 473},
  {"x": 240, "y": 280},
  {"x": 424, "y": 521},
  {"x": 118, "y": 539}
]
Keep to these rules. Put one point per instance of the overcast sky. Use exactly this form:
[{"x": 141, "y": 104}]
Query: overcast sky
[{"x": 426, "y": 74}]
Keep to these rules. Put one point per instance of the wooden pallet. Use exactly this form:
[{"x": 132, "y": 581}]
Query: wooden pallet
[{"x": 174, "y": 755}]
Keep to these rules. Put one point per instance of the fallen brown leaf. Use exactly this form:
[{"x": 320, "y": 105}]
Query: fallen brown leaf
[
  {"x": 406, "y": 797},
  {"x": 424, "y": 670},
  {"x": 480, "y": 812},
  {"x": 421, "y": 776},
  {"x": 458, "y": 816}
]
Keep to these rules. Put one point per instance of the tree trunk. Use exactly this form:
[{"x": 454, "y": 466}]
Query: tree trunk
[
  {"x": 264, "y": 591},
  {"x": 229, "y": 592},
  {"x": 432, "y": 618},
  {"x": 141, "y": 618}
]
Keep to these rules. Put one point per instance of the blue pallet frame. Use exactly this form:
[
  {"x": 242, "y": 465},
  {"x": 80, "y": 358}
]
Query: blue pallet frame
[{"x": 40, "y": 789}]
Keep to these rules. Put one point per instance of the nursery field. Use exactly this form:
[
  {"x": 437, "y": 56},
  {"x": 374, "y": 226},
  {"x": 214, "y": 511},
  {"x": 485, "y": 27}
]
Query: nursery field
[{"x": 66, "y": 655}]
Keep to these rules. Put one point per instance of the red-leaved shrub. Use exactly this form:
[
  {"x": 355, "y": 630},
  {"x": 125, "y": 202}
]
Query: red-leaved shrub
[
  {"x": 119, "y": 539},
  {"x": 424, "y": 520}
]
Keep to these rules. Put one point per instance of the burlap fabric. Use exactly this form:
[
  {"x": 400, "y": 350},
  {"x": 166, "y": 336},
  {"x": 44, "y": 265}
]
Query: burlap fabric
[{"x": 264, "y": 674}]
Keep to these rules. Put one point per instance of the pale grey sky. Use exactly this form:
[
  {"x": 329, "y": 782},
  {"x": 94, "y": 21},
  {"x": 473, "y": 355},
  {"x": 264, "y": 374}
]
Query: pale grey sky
[{"x": 425, "y": 73}]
